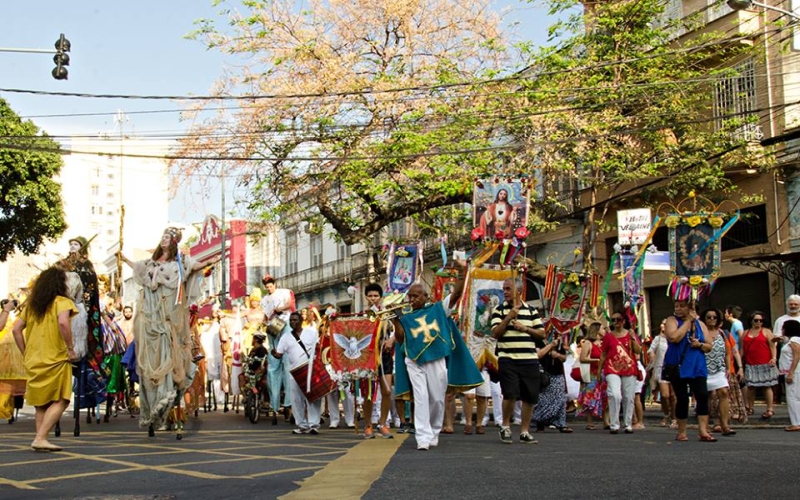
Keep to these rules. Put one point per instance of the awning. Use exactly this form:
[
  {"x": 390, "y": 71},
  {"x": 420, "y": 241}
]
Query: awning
[{"x": 786, "y": 265}]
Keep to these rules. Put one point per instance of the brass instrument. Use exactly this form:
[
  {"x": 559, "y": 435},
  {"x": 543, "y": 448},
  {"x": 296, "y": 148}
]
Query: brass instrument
[{"x": 389, "y": 312}]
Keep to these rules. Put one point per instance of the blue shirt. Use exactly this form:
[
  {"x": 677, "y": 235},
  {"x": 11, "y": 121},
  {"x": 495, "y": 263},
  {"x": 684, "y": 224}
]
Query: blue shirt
[
  {"x": 736, "y": 329},
  {"x": 694, "y": 362}
]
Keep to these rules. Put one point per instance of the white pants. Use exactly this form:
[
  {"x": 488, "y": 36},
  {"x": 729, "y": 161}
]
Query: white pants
[
  {"x": 497, "y": 402},
  {"x": 793, "y": 397},
  {"x": 620, "y": 391},
  {"x": 348, "y": 405},
  {"x": 300, "y": 406},
  {"x": 429, "y": 383}
]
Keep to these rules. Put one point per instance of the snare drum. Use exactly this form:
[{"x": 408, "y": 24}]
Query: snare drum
[{"x": 321, "y": 382}]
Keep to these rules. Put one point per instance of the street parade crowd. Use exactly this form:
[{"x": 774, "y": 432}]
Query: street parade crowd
[{"x": 406, "y": 359}]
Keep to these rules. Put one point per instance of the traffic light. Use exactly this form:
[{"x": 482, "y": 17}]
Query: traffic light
[{"x": 61, "y": 58}]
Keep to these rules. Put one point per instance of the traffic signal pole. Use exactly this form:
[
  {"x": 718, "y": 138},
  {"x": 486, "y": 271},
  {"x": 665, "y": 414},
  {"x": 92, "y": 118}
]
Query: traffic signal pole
[{"x": 61, "y": 58}]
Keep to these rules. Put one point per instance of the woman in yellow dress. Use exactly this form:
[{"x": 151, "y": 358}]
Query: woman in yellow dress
[{"x": 43, "y": 334}]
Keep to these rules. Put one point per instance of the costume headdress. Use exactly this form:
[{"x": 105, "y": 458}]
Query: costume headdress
[
  {"x": 80, "y": 240},
  {"x": 255, "y": 294},
  {"x": 175, "y": 233}
]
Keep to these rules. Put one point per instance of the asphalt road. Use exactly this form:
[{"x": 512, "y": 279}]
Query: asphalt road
[{"x": 224, "y": 456}]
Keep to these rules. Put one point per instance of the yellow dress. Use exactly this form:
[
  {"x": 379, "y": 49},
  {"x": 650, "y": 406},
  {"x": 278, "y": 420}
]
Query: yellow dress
[{"x": 46, "y": 358}]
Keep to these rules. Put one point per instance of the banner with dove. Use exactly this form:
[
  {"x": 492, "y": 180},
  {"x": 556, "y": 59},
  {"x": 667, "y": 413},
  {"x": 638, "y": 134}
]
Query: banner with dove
[{"x": 354, "y": 347}]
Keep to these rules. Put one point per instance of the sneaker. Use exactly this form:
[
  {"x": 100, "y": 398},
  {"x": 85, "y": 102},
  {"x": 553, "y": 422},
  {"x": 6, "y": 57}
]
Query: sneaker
[
  {"x": 526, "y": 437},
  {"x": 435, "y": 442},
  {"x": 516, "y": 422},
  {"x": 368, "y": 433},
  {"x": 422, "y": 447},
  {"x": 299, "y": 431},
  {"x": 411, "y": 429},
  {"x": 313, "y": 432},
  {"x": 629, "y": 430},
  {"x": 384, "y": 432},
  {"x": 402, "y": 428},
  {"x": 505, "y": 435}
]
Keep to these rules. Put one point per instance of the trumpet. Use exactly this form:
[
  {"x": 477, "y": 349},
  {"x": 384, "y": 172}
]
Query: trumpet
[{"x": 389, "y": 312}]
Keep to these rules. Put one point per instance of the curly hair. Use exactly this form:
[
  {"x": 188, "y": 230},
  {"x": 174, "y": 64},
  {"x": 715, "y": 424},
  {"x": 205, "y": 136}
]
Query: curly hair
[{"x": 50, "y": 284}]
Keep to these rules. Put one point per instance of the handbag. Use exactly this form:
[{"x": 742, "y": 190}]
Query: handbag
[
  {"x": 544, "y": 379},
  {"x": 575, "y": 373},
  {"x": 672, "y": 373}
]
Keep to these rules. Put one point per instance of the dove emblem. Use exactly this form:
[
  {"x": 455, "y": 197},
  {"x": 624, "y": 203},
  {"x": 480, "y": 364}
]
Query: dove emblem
[{"x": 352, "y": 346}]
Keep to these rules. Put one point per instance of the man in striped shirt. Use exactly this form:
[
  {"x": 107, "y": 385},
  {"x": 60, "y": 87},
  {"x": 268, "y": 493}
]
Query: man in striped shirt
[{"x": 516, "y": 325}]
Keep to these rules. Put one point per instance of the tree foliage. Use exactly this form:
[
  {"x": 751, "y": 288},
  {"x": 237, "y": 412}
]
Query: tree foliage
[
  {"x": 624, "y": 105},
  {"x": 30, "y": 199},
  {"x": 382, "y": 126}
]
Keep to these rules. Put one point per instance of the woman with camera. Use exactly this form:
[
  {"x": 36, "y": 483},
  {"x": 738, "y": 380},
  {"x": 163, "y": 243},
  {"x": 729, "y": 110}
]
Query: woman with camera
[{"x": 43, "y": 335}]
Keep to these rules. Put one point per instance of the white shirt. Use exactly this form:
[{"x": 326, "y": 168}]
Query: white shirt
[
  {"x": 778, "y": 326},
  {"x": 291, "y": 349},
  {"x": 279, "y": 299}
]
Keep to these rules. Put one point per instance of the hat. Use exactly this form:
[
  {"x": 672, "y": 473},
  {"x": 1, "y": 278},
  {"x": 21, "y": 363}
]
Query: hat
[
  {"x": 267, "y": 279},
  {"x": 255, "y": 294},
  {"x": 80, "y": 240},
  {"x": 260, "y": 335}
]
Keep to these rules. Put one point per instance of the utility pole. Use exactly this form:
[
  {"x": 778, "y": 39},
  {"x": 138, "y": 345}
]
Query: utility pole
[
  {"x": 223, "y": 278},
  {"x": 120, "y": 120}
]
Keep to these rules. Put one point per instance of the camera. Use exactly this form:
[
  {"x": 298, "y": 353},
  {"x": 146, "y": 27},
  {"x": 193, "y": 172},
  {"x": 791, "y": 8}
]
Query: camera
[{"x": 6, "y": 301}]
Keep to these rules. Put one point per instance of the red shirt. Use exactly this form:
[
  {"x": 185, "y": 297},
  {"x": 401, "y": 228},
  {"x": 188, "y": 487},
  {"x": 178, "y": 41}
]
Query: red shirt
[
  {"x": 620, "y": 360},
  {"x": 755, "y": 350}
]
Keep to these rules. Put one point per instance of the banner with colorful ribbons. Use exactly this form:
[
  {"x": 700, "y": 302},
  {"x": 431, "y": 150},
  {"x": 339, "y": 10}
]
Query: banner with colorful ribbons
[
  {"x": 569, "y": 292},
  {"x": 695, "y": 249},
  {"x": 484, "y": 293}
]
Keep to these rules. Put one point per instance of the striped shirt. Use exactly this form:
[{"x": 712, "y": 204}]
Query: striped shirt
[{"x": 516, "y": 345}]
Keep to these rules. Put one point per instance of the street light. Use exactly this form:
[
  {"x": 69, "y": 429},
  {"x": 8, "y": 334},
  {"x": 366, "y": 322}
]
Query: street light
[
  {"x": 61, "y": 58},
  {"x": 747, "y": 4}
]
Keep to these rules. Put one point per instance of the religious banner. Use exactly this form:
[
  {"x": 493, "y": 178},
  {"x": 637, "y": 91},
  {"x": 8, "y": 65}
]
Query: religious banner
[
  {"x": 484, "y": 293},
  {"x": 632, "y": 276},
  {"x": 695, "y": 249},
  {"x": 443, "y": 284},
  {"x": 403, "y": 266},
  {"x": 500, "y": 207},
  {"x": 353, "y": 347},
  {"x": 569, "y": 292}
]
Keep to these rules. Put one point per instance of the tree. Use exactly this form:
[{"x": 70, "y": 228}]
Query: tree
[
  {"x": 382, "y": 125},
  {"x": 30, "y": 199},
  {"x": 623, "y": 107}
]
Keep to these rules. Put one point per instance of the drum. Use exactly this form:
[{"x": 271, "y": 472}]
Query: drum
[
  {"x": 275, "y": 326},
  {"x": 321, "y": 382}
]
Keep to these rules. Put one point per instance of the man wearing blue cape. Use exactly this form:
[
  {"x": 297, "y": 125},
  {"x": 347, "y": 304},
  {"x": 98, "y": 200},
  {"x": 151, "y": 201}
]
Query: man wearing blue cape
[{"x": 431, "y": 355}]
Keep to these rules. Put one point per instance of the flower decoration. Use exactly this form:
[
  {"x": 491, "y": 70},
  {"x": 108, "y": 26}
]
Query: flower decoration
[
  {"x": 692, "y": 194},
  {"x": 499, "y": 234},
  {"x": 522, "y": 232},
  {"x": 715, "y": 221},
  {"x": 694, "y": 220},
  {"x": 577, "y": 252},
  {"x": 207, "y": 271},
  {"x": 477, "y": 234},
  {"x": 696, "y": 280},
  {"x": 672, "y": 221},
  {"x": 573, "y": 278}
]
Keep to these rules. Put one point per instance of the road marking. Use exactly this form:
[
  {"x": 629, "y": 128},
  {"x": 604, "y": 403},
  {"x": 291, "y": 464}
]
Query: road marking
[{"x": 351, "y": 475}]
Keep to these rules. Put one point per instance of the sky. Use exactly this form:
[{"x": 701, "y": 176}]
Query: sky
[{"x": 136, "y": 48}]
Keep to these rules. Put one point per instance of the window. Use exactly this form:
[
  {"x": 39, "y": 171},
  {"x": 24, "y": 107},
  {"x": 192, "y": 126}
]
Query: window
[
  {"x": 95, "y": 190},
  {"x": 717, "y": 9},
  {"x": 398, "y": 230},
  {"x": 343, "y": 251},
  {"x": 291, "y": 252},
  {"x": 735, "y": 99},
  {"x": 316, "y": 250}
]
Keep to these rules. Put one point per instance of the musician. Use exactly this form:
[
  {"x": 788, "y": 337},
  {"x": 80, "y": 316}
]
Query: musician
[
  {"x": 374, "y": 294},
  {"x": 424, "y": 338},
  {"x": 298, "y": 346},
  {"x": 278, "y": 303}
]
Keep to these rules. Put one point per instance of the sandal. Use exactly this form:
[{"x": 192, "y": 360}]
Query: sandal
[
  {"x": 447, "y": 430},
  {"x": 590, "y": 427},
  {"x": 767, "y": 414},
  {"x": 681, "y": 437},
  {"x": 750, "y": 411},
  {"x": 468, "y": 429},
  {"x": 565, "y": 430},
  {"x": 717, "y": 429},
  {"x": 480, "y": 430},
  {"x": 728, "y": 432},
  {"x": 708, "y": 439}
]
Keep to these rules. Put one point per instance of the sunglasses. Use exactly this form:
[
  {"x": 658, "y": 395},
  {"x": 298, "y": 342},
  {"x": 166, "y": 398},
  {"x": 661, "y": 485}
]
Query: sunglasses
[
  {"x": 711, "y": 317},
  {"x": 757, "y": 320},
  {"x": 618, "y": 318}
]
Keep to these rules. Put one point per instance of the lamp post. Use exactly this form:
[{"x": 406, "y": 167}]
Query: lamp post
[{"x": 747, "y": 4}]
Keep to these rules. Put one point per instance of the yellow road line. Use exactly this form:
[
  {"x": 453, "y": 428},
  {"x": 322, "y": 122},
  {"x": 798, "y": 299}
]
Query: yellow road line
[
  {"x": 351, "y": 475},
  {"x": 17, "y": 484}
]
